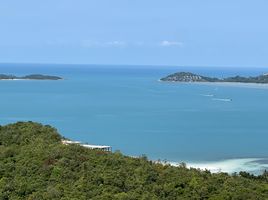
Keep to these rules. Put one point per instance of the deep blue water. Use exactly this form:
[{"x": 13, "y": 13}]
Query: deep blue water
[{"x": 128, "y": 108}]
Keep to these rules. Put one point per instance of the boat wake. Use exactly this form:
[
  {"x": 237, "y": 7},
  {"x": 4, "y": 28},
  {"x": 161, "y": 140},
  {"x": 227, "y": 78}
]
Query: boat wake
[
  {"x": 207, "y": 95},
  {"x": 222, "y": 99}
]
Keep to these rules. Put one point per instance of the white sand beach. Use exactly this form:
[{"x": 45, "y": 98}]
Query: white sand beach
[
  {"x": 252, "y": 165},
  {"x": 226, "y": 84}
]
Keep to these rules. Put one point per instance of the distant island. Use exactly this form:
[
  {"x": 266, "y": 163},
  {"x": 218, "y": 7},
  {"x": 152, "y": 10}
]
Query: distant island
[
  {"x": 29, "y": 77},
  {"x": 191, "y": 77}
]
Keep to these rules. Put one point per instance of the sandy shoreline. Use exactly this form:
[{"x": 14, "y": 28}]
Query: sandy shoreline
[
  {"x": 25, "y": 79},
  {"x": 231, "y": 84},
  {"x": 15, "y": 79},
  {"x": 251, "y": 165}
]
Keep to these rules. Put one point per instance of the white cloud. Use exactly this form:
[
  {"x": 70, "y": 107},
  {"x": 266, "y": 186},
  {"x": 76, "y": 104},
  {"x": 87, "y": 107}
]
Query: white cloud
[
  {"x": 113, "y": 43},
  {"x": 91, "y": 43},
  {"x": 116, "y": 43},
  {"x": 166, "y": 43}
]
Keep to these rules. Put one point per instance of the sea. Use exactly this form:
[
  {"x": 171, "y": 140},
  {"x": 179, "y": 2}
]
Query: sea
[{"x": 220, "y": 127}]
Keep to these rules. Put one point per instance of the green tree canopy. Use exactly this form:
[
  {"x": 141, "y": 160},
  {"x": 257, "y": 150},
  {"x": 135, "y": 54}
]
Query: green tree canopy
[{"x": 34, "y": 164}]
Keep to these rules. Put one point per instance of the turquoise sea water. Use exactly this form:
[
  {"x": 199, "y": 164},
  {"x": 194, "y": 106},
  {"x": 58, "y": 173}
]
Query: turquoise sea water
[{"x": 128, "y": 108}]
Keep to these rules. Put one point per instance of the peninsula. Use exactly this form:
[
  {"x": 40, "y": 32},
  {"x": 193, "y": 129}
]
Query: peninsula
[
  {"x": 36, "y": 164},
  {"x": 29, "y": 77},
  {"x": 191, "y": 77}
]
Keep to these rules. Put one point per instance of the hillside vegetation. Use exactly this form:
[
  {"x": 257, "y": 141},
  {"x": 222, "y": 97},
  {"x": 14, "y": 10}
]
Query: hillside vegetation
[
  {"x": 190, "y": 77},
  {"x": 34, "y": 164},
  {"x": 29, "y": 77}
]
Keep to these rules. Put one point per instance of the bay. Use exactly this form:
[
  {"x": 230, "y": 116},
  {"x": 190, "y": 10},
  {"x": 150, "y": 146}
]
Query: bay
[{"x": 127, "y": 108}]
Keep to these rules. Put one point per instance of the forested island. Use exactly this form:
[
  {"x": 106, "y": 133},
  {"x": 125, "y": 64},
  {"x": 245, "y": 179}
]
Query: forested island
[
  {"x": 35, "y": 164},
  {"x": 29, "y": 77},
  {"x": 191, "y": 77}
]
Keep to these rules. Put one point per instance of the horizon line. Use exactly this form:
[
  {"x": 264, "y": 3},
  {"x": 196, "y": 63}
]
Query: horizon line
[{"x": 131, "y": 65}]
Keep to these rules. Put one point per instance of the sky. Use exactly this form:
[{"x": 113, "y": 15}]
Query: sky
[{"x": 135, "y": 32}]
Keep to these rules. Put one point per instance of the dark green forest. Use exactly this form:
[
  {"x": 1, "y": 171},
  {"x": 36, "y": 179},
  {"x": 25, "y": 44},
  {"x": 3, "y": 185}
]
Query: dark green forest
[
  {"x": 34, "y": 164},
  {"x": 190, "y": 77}
]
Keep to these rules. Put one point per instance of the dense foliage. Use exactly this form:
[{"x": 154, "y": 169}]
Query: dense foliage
[
  {"x": 190, "y": 77},
  {"x": 34, "y": 164},
  {"x": 29, "y": 77}
]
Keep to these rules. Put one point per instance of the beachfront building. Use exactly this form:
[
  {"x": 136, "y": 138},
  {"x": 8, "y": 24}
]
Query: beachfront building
[
  {"x": 99, "y": 147},
  {"x": 89, "y": 146}
]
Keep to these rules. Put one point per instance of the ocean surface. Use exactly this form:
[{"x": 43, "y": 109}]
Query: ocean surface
[{"x": 215, "y": 126}]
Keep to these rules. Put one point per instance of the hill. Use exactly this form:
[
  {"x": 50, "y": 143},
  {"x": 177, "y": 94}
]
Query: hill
[
  {"x": 29, "y": 77},
  {"x": 191, "y": 77},
  {"x": 34, "y": 164}
]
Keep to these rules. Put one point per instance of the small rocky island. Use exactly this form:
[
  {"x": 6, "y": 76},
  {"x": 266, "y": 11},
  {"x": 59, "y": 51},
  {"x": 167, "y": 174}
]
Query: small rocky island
[
  {"x": 29, "y": 77},
  {"x": 191, "y": 77}
]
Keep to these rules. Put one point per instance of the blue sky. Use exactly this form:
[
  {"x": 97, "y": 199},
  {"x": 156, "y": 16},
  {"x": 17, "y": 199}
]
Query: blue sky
[{"x": 144, "y": 32}]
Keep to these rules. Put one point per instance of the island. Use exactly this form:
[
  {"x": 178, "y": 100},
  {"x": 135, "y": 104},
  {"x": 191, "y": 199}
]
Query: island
[
  {"x": 29, "y": 77},
  {"x": 191, "y": 77}
]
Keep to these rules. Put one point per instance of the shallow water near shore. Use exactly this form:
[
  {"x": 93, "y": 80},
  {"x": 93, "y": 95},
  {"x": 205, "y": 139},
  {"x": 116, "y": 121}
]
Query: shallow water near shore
[{"x": 127, "y": 108}]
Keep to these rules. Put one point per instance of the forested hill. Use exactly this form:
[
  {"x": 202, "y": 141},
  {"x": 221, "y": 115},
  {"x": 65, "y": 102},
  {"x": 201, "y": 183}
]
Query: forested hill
[
  {"x": 29, "y": 77},
  {"x": 34, "y": 164},
  {"x": 190, "y": 77}
]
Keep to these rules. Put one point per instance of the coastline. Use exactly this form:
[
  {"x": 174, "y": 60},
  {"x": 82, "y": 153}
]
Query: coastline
[
  {"x": 255, "y": 166},
  {"x": 27, "y": 79},
  {"x": 13, "y": 79},
  {"x": 229, "y": 84}
]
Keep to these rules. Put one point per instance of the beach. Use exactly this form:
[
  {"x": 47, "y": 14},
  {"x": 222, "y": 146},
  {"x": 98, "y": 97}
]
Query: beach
[{"x": 224, "y": 84}]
